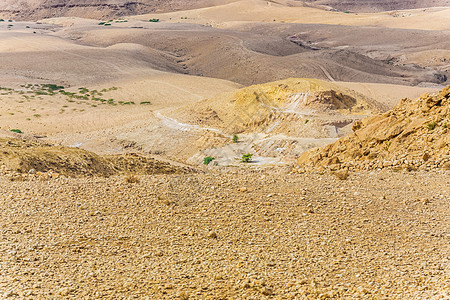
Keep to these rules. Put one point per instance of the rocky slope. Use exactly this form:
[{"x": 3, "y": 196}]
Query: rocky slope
[
  {"x": 98, "y": 9},
  {"x": 379, "y": 5},
  {"x": 229, "y": 235},
  {"x": 413, "y": 135},
  {"x": 24, "y": 160}
]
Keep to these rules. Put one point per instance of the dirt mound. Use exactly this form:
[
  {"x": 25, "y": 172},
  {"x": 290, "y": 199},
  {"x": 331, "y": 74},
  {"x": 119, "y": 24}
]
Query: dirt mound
[
  {"x": 413, "y": 135},
  {"x": 280, "y": 107},
  {"x": 21, "y": 156}
]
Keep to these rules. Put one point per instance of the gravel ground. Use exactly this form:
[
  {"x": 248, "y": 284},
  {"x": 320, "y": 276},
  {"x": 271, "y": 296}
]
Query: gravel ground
[{"x": 233, "y": 234}]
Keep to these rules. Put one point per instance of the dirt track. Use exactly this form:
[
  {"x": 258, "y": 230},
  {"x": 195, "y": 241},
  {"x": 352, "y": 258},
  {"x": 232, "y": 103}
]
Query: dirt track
[{"x": 247, "y": 234}]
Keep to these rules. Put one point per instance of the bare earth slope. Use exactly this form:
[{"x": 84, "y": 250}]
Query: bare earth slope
[
  {"x": 96, "y": 9},
  {"x": 379, "y": 5}
]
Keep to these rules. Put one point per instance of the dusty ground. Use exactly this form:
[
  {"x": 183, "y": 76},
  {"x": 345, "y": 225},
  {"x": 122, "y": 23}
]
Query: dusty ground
[{"x": 235, "y": 234}]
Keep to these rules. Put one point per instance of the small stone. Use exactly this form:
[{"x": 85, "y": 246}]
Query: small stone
[
  {"x": 64, "y": 291},
  {"x": 426, "y": 201},
  {"x": 212, "y": 235},
  {"x": 266, "y": 291}
]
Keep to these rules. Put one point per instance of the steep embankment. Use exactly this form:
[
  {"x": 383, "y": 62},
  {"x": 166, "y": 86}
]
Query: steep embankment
[{"x": 413, "y": 135}]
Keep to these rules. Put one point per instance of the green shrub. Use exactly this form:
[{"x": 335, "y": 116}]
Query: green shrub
[
  {"x": 41, "y": 93},
  {"x": 16, "y": 130},
  {"x": 83, "y": 90},
  {"x": 146, "y": 102},
  {"x": 246, "y": 158},
  {"x": 207, "y": 160},
  {"x": 387, "y": 144},
  {"x": 235, "y": 138},
  {"x": 432, "y": 125},
  {"x": 53, "y": 87},
  {"x": 306, "y": 121},
  {"x": 154, "y": 20}
]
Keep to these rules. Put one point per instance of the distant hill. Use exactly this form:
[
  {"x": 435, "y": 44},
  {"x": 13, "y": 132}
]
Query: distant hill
[
  {"x": 96, "y": 9},
  {"x": 379, "y": 5},
  {"x": 103, "y": 9}
]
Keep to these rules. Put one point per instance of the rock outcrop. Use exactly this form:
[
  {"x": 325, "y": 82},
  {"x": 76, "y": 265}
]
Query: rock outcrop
[{"x": 413, "y": 135}]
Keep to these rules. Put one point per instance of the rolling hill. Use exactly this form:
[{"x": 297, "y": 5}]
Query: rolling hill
[{"x": 379, "y": 5}]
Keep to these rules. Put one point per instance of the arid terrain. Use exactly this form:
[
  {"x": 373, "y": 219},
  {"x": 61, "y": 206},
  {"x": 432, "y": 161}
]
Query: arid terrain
[{"x": 124, "y": 127}]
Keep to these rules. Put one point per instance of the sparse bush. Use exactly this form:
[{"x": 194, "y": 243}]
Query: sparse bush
[
  {"x": 154, "y": 20},
  {"x": 41, "y": 93},
  {"x": 246, "y": 158},
  {"x": 306, "y": 121},
  {"x": 432, "y": 125},
  {"x": 387, "y": 144},
  {"x": 83, "y": 90},
  {"x": 207, "y": 160},
  {"x": 53, "y": 87},
  {"x": 16, "y": 130},
  {"x": 235, "y": 138},
  {"x": 146, "y": 102}
]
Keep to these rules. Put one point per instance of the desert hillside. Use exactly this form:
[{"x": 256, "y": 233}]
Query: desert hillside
[
  {"x": 379, "y": 5},
  {"x": 412, "y": 135},
  {"x": 224, "y": 149},
  {"x": 95, "y": 9},
  {"x": 103, "y": 9}
]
